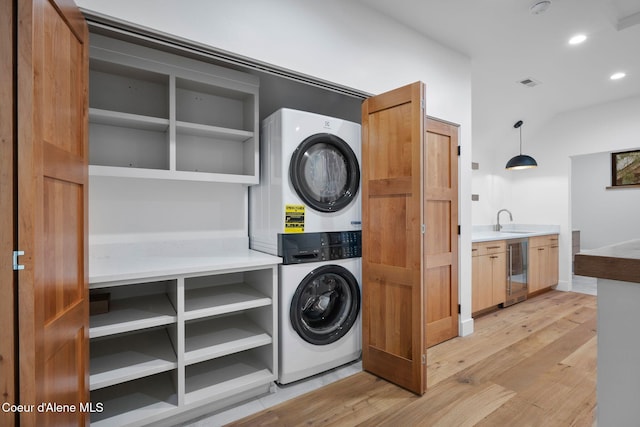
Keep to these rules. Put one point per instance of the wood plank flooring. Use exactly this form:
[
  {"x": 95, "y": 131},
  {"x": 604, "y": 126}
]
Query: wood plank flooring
[{"x": 531, "y": 364}]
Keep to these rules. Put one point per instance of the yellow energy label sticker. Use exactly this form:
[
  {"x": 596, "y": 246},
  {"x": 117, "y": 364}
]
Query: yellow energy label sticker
[{"x": 294, "y": 218}]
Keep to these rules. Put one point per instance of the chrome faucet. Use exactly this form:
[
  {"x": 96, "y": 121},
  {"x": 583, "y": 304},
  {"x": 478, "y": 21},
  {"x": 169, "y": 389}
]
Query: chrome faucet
[{"x": 498, "y": 227}]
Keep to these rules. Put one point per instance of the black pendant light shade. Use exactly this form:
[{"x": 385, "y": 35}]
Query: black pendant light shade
[{"x": 521, "y": 161}]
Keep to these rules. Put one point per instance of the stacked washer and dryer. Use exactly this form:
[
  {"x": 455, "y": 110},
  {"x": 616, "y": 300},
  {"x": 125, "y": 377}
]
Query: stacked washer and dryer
[{"x": 307, "y": 209}]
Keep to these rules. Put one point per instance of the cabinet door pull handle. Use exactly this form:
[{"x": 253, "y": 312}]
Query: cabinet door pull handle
[
  {"x": 493, "y": 247},
  {"x": 541, "y": 249}
]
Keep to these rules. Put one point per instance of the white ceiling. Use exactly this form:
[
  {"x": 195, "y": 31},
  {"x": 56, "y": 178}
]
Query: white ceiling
[{"x": 507, "y": 43}]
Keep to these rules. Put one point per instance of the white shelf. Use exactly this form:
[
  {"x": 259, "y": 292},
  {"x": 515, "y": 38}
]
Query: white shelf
[
  {"x": 207, "y": 131},
  {"x": 134, "y": 402},
  {"x": 222, "y": 336},
  {"x": 216, "y": 300},
  {"x": 132, "y": 314},
  {"x": 159, "y": 116},
  {"x": 215, "y": 348},
  {"x": 124, "y": 172},
  {"x": 221, "y": 376},
  {"x": 125, "y": 358},
  {"x": 120, "y": 119}
]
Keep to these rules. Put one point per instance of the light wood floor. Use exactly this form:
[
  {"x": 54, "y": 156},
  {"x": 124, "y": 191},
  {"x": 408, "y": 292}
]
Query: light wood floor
[{"x": 531, "y": 364}]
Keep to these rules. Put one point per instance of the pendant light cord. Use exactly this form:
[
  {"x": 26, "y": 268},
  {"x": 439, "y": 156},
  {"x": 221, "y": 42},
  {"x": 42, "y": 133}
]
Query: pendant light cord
[{"x": 520, "y": 128}]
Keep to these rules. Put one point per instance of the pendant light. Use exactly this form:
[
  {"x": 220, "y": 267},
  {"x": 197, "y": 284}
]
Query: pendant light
[{"x": 521, "y": 161}]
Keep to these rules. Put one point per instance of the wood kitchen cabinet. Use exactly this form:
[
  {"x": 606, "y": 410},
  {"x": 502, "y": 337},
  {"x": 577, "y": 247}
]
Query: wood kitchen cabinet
[
  {"x": 489, "y": 274},
  {"x": 543, "y": 262}
]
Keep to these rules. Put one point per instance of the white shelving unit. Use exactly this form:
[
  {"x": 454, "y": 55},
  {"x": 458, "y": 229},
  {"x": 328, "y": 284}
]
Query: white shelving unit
[
  {"x": 161, "y": 116},
  {"x": 133, "y": 314},
  {"x": 177, "y": 343},
  {"x": 192, "y": 326}
]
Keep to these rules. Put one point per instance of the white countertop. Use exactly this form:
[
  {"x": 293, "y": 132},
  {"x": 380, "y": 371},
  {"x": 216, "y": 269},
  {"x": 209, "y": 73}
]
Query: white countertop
[
  {"x": 153, "y": 260},
  {"x": 485, "y": 233}
]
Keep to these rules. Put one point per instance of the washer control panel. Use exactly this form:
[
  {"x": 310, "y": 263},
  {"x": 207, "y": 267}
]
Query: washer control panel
[{"x": 316, "y": 247}]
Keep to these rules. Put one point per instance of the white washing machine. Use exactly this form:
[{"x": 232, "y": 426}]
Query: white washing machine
[
  {"x": 309, "y": 177},
  {"x": 320, "y": 293}
]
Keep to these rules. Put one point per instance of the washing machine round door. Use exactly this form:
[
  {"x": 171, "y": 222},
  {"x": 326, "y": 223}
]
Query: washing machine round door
[
  {"x": 324, "y": 172},
  {"x": 325, "y": 305}
]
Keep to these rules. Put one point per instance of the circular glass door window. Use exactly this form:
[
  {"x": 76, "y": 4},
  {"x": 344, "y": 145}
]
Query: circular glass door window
[
  {"x": 325, "y": 305},
  {"x": 324, "y": 172}
]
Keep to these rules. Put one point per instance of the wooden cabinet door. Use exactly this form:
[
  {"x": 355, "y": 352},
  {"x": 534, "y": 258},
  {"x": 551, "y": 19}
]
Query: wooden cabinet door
[
  {"x": 498, "y": 277},
  {"x": 554, "y": 263},
  {"x": 52, "y": 72},
  {"x": 441, "y": 236},
  {"x": 538, "y": 268},
  {"x": 475, "y": 282},
  {"x": 482, "y": 286},
  {"x": 393, "y": 321}
]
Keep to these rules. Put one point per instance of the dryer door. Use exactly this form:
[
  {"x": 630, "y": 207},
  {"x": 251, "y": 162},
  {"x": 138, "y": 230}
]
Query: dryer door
[
  {"x": 324, "y": 172},
  {"x": 325, "y": 305}
]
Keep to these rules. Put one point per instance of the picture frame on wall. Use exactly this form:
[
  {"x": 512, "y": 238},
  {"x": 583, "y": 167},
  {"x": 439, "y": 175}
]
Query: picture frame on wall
[{"x": 625, "y": 168}]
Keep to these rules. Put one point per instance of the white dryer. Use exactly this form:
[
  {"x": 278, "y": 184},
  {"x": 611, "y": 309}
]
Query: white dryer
[
  {"x": 320, "y": 325},
  {"x": 309, "y": 177}
]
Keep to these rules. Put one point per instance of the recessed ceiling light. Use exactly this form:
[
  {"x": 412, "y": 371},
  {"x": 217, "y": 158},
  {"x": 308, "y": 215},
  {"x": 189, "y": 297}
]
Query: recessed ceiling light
[
  {"x": 577, "y": 39},
  {"x": 617, "y": 76}
]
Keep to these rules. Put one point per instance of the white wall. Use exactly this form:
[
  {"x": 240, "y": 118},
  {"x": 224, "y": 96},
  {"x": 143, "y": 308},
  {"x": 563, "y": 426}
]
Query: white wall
[
  {"x": 492, "y": 186},
  {"x": 603, "y": 216},
  {"x": 125, "y": 209},
  {"x": 543, "y": 195},
  {"x": 340, "y": 41}
]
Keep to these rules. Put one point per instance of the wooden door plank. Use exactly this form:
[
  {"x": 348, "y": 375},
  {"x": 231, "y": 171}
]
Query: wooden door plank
[
  {"x": 52, "y": 209},
  {"x": 392, "y": 312},
  {"x": 7, "y": 213},
  {"x": 441, "y": 238}
]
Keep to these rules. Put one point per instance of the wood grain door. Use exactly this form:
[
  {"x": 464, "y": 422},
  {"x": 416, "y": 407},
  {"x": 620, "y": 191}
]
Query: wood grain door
[
  {"x": 393, "y": 130},
  {"x": 441, "y": 236},
  {"x": 52, "y": 71},
  {"x": 498, "y": 277},
  {"x": 538, "y": 268},
  {"x": 554, "y": 253},
  {"x": 7, "y": 214}
]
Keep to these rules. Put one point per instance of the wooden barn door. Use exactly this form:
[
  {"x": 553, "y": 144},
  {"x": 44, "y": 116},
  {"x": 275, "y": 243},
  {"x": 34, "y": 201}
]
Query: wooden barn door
[
  {"x": 393, "y": 131},
  {"x": 52, "y": 73},
  {"x": 441, "y": 237}
]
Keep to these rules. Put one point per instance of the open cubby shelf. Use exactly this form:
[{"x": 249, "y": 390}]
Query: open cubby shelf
[
  {"x": 161, "y": 116},
  {"x": 169, "y": 345}
]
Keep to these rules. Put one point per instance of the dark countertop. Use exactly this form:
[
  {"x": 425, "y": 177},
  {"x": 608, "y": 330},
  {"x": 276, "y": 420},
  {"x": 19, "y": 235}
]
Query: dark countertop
[{"x": 616, "y": 262}]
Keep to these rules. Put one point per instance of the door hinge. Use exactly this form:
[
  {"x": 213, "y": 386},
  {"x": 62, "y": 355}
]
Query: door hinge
[
  {"x": 458, "y": 150},
  {"x": 459, "y": 309},
  {"x": 422, "y": 104},
  {"x": 424, "y": 359},
  {"x": 17, "y": 266},
  {"x": 459, "y": 230},
  {"x": 423, "y": 228}
]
